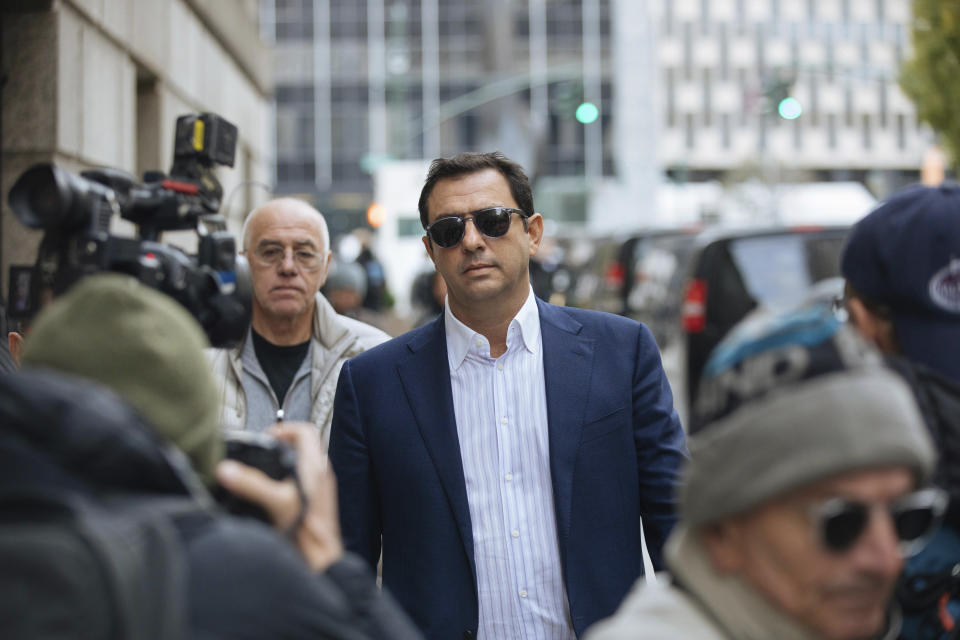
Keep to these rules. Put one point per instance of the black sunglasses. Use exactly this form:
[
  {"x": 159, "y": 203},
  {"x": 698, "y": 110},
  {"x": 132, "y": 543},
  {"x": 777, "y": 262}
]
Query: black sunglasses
[
  {"x": 494, "y": 222},
  {"x": 915, "y": 516}
]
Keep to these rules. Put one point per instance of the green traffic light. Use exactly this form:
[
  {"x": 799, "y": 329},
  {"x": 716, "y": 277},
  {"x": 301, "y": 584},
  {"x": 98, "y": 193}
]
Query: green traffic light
[
  {"x": 587, "y": 112},
  {"x": 790, "y": 108}
]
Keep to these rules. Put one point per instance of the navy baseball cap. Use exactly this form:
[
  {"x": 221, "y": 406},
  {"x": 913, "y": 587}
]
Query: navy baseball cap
[{"x": 905, "y": 254}]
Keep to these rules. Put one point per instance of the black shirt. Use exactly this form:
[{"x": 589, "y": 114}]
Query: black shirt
[{"x": 279, "y": 363}]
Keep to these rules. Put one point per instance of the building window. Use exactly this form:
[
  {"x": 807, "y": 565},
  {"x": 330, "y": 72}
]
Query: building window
[
  {"x": 724, "y": 52},
  {"x": 293, "y": 174},
  {"x": 761, "y": 48},
  {"x": 725, "y": 130},
  {"x": 707, "y": 98},
  {"x": 348, "y": 19},
  {"x": 690, "y": 137},
  {"x": 832, "y": 130},
  {"x": 848, "y": 106},
  {"x": 867, "y": 132},
  {"x": 564, "y": 18},
  {"x": 295, "y": 122},
  {"x": 749, "y": 96},
  {"x": 687, "y": 51},
  {"x": 814, "y": 102},
  {"x": 831, "y": 53},
  {"x": 883, "y": 103},
  {"x": 794, "y": 47},
  {"x": 294, "y": 20},
  {"x": 671, "y": 87},
  {"x": 901, "y": 131},
  {"x": 900, "y": 40},
  {"x": 865, "y": 49}
]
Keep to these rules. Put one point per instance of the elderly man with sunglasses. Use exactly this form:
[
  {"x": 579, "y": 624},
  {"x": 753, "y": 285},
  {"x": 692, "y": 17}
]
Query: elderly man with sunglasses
[
  {"x": 503, "y": 455},
  {"x": 287, "y": 367},
  {"x": 805, "y": 492}
]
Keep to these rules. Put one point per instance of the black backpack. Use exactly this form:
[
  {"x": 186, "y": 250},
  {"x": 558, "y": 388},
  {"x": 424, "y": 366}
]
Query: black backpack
[
  {"x": 81, "y": 567},
  {"x": 94, "y": 509}
]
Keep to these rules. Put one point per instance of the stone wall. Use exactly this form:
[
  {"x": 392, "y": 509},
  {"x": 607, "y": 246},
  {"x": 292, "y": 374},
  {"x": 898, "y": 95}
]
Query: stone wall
[{"x": 101, "y": 83}]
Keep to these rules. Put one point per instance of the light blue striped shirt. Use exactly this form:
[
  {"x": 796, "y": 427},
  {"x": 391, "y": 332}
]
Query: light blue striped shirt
[{"x": 501, "y": 411}]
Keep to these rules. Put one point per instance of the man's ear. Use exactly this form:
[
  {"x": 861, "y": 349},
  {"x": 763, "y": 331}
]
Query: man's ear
[
  {"x": 325, "y": 270},
  {"x": 875, "y": 329},
  {"x": 535, "y": 232},
  {"x": 723, "y": 542},
  {"x": 429, "y": 247},
  {"x": 15, "y": 342}
]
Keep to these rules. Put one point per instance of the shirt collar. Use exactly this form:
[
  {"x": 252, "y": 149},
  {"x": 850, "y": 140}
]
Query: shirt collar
[{"x": 460, "y": 337}]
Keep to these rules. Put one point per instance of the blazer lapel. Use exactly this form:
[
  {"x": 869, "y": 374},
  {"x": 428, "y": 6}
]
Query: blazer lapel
[
  {"x": 425, "y": 376},
  {"x": 567, "y": 363}
]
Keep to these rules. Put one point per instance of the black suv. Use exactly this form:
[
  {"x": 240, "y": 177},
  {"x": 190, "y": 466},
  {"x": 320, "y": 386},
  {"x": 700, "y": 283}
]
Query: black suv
[{"x": 733, "y": 272}]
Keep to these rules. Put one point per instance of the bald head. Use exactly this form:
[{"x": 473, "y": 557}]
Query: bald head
[
  {"x": 279, "y": 207},
  {"x": 289, "y": 250}
]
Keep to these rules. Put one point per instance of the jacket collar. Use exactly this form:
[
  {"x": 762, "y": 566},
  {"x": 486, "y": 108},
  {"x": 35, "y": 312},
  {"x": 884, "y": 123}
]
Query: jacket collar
[{"x": 327, "y": 328}]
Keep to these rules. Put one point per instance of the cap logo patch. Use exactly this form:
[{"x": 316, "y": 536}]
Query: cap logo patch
[{"x": 945, "y": 287}]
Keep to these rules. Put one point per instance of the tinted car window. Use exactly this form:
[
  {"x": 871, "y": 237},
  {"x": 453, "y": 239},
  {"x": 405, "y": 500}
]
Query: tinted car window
[
  {"x": 656, "y": 286},
  {"x": 823, "y": 255},
  {"x": 773, "y": 268}
]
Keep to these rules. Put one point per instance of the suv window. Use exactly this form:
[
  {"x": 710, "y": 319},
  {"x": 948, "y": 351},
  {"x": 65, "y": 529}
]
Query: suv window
[{"x": 773, "y": 268}]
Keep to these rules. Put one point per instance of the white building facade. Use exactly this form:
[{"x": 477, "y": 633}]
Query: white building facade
[
  {"x": 679, "y": 86},
  {"x": 715, "y": 57}
]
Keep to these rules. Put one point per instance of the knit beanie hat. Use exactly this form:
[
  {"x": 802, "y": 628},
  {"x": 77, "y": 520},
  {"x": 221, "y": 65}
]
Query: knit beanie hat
[
  {"x": 788, "y": 400},
  {"x": 143, "y": 345}
]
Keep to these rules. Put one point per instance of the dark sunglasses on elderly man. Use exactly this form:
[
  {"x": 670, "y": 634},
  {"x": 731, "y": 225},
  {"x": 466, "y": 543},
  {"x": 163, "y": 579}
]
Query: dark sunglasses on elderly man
[
  {"x": 915, "y": 517},
  {"x": 494, "y": 222}
]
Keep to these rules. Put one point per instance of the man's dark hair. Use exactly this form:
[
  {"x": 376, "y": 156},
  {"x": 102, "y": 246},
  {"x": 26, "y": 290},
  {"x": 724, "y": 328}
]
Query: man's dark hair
[
  {"x": 878, "y": 309},
  {"x": 467, "y": 163}
]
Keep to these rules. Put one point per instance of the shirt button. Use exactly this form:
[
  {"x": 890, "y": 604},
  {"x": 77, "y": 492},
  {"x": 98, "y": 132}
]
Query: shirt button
[
  {"x": 508, "y": 477},
  {"x": 515, "y": 533},
  {"x": 523, "y": 593},
  {"x": 499, "y": 366},
  {"x": 503, "y": 420},
  {"x": 479, "y": 343}
]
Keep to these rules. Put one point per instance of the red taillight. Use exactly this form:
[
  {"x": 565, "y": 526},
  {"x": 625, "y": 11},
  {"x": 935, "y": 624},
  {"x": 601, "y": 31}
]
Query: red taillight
[
  {"x": 615, "y": 274},
  {"x": 695, "y": 307}
]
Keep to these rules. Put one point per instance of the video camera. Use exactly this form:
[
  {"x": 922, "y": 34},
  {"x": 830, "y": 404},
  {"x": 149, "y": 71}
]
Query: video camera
[{"x": 75, "y": 211}]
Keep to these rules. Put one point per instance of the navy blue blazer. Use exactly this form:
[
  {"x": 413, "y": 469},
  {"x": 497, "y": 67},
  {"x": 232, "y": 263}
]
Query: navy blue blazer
[{"x": 616, "y": 446}]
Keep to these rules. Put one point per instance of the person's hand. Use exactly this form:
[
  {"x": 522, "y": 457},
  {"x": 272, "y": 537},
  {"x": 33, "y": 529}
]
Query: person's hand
[{"x": 314, "y": 526}]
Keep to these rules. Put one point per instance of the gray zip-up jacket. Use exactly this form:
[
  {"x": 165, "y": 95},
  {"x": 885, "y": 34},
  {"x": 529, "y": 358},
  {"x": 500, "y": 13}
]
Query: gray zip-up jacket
[{"x": 245, "y": 390}]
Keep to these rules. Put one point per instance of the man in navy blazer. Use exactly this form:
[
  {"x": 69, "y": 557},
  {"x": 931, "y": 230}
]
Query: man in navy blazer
[{"x": 525, "y": 526}]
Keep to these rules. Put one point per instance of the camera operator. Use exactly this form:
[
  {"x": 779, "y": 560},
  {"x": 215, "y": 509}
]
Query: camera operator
[{"x": 243, "y": 579}]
